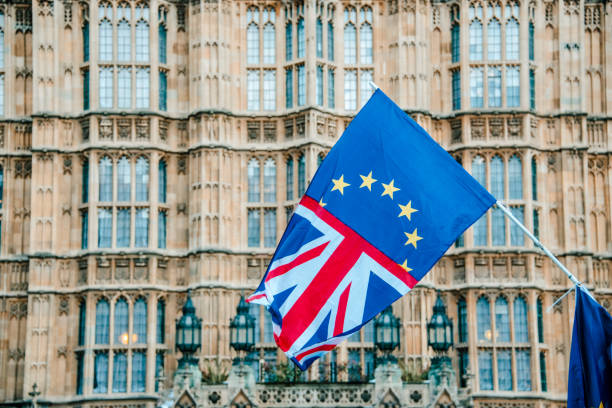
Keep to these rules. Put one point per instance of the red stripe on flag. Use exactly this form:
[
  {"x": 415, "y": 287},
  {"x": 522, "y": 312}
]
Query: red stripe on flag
[
  {"x": 252, "y": 298},
  {"x": 324, "y": 347},
  {"x": 305, "y": 257},
  {"x": 339, "y": 326}
]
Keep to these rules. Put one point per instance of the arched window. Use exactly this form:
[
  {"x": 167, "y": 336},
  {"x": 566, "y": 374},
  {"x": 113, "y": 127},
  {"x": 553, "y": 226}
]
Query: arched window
[
  {"x": 105, "y": 32},
  {"x": 301, "y": 42},
  {"x": 289, "y": 41},
  {"x": 520, "y": 320},
  {"x": 270, "y": 181},
  {"x": 494, "y": 40},
  {"x": 330, "y": 41},
  {"x": 301, "y": 176},
  {"x": 139, "y": 368},
  {"x": 142, "y": 33},
  {"x": 290, "y": 178},
  {"x": 106, "y": 179},
  {"x": 161, "y": 321},
  {"x": 162, "y": 33},
  {"x": 350, "y": 44},
  {"x": 319, "y": 44},
  {"x": 269, "y": 37},
  {"x": 82, "y": 323},
  {"x": 163, "y": 181},
  {"x": 512, "y": 40},
  {"x": 142, "y": 179},
  {"x": 497, "y": 177},
  {"x": 102, "y": 321},
  {"x": 140, "y": 321},
  {"x": 483, "y": 319},
  {"x": 365, "y": 37},
  {"x": 462, "y": 320},
  {"x": 515, "y": 178},
  {"x": 475, "y": 40},
  {"x": 478, "y": 170},
  {"x": 540, "y": 321},
  {"x": 252, "y": 44},
  {"x": 253, "y": 180},
  {"x": 161, "y": 229},
  {"x": 85, "y": 33},
  {"x": 120, "y": 372},
  {"x": 455, "y": 43},
  {"x": 124, "y": 179},
  {"x": 100, "y": 385},
  {"x": 534, "y": 179},
  {"x": 531, "y": 41},
  {"x": 123, "y": 227},
  {"x": 502, "y": 320},
  {"x": 142, "y": 228},
  {"x": 124, "y": 34},
  {"x": 105, "y": 227},
  {"x": 121, "y": 322}
]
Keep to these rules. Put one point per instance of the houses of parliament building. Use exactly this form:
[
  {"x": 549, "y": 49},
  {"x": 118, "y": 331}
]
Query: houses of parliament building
[{"x": 150, "y": 149}]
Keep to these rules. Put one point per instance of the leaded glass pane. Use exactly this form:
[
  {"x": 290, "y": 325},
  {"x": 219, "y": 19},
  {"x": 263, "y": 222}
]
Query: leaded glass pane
[
  {"x": 504, "y": 370},
  {"x": 100, "y": 384},
  {"x": 520, "y": 320},
  {"x": 350, "y": 44},
  {"x": 350, "y": 90},
  {"x": 476, "y": 87},
  {"x": 252, "y": 89},
  {"x": 513, "y": 88},
  {"x": 142, "y": 179},
  {"x": 105, "y": 225},
  {"x": 106, "y": 87},
  {"x": 124, "y": 41},
  {"x": 515, "y": 178},
  {"x": 102, "y": 321},
  {"x": 301, "y": 78},
  {"x": 483, "y": 319},
  {"x": 161, "y": 230},
  {"x": 269, "y": 45},
  {"x": 124, "y": 87},
  {"x": 494, "y": 40},
  {"x": 366, "y": 89},
  {"x": 512, "y": 40},
  {"x": 498, "y": 227},
  {"x": 301, "y": 42},
  {"x": 485, "y": 370},
  {"x": 495, "y": 87},
  {"x": 123, "y": 227},
  {"x": 139, "y": 370},
  {"x": 523, "y": 370},
  {"x": 253, "y": 181},
  {"x": 301, "y": 176},
  {"x": 365, "y": 44},
  {"x": 269, "y": 90},
  {"x": 140, "y": 322},
  {"x": 120, "y": 372},
  {"x": 121, "y": 322},
  {"x": 475, "y": 41},
  {"x": 517, "y": 237},
  {"x": 502, "y": 320},
  {"x": 270, "y": 228},
  {"x": 290, "y": 179},
  {"x": 142, "y": 228},
  {"x": 253, "y": 227},
  {"x": 142, "y": 88},
  {"x": 124, "y": 179},
  {"x": 497, "y": 177},
  {"x": 270, "y": 181}
]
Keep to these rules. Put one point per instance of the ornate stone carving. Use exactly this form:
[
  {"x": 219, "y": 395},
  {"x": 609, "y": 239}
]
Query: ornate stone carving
[
  {"x": 124, "y": 128},
  {"x": 163, "y": 130},
  {"x": 106, "y": 128},
  {"x": 142, "y": 129},
  {"x": 64, "y": 306},
  {"x": 67, "y": 165}
]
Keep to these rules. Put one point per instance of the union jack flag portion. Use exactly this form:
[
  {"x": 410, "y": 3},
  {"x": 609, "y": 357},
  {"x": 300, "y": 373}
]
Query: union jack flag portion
[{"x": 383, "y": 207}]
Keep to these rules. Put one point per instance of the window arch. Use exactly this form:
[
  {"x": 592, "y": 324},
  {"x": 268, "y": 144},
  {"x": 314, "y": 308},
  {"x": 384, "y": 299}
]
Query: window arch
[
  {"x": 121, "y": 321},
  {"x": 512, "y": 39},
  {"x": 319, "y": 44},
  {"x": 515, "y": 177},
  {"x": 163, "y": 181},
  {"x": 124, "y": 179},
  {"x": 142, "y": 32},
  {"x": 253, "y": 181},
  {"x": 269, "y": 36},
  {"x": 350, "y": 44},
  {"x": 106, "y": 179},
  {"x": 270, "y": 181},
  {"x": 105, "y": 32},
  {"x": 142, "y": 179},
  {"x": 455, "y": 43},
  {"x": 502, "y": 320},
  {"x": 494, "y": 40},
  {"x": 124, "y": 34},
  {"x": 102, "y": 321},
  {"x": 330, "y": 40},
  {"x": 301, "y": 41},
  {"x": 162, "y": 35},
  {"x": 140, "y": 321},
  {"x": 483, "y": 316},
  {"x": 253, "y": 39},
  {"x": 365, "y": 35},
  {"x": 520, "y": 320},
  {"x": 290, "y": 178},
  {"x": 301, "y": 176},
  {"x": 475, "y": 40}
]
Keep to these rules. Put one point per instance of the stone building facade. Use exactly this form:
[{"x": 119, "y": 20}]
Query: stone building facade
[{"x": 151, "y": 148}]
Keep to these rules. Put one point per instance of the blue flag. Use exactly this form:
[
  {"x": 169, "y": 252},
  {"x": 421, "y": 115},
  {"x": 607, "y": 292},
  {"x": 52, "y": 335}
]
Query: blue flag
[
  {"x": 384, "y": 206},
  {"x": 589, "y": 383}
]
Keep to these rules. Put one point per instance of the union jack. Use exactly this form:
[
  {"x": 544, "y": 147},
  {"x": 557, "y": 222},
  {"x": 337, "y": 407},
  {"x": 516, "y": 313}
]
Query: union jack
[{"x": 326, "y": 286}]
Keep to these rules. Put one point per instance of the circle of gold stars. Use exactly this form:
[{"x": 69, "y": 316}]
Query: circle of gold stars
[{"x": 406, "y": 210}]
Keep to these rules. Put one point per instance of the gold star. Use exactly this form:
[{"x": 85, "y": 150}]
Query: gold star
[
  {"x": 339, "y": 184},
  {"x": 413, "y": 238},
  {"x": 407, "y": 210},
  {"x": 367, "y": 181},
  {"x": 404, "y": 266},
  {"x": 389, "y": 189},
  {"x": 601, "y": 404},
  {"x": 321, "y": 203}
]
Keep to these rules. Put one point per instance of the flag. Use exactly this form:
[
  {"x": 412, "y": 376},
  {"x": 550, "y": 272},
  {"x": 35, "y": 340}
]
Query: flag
[
  {"x": 383, "y": 207},
  {"x": 589, "y": 383}
]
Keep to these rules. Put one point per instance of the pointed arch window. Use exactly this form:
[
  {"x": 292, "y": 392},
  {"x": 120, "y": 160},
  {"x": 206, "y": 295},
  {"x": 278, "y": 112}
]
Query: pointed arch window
[
  {"x": 124, "y": 179},
  {"x": 483, "y": 319},
  {"x": 124, "y": 33},
  {"x": 140, "y": 321},
  {"x": 254, "y": 194},
  {"x": 82, "y": 322},
  {"x": 289, "y": 41},
  {"x": 253, "y": 35},
  {"x": 520, "y": 320},
  {"x": 515, "y": 178},
  {"x": 162, "y": 37},
  {"x": 330, "y": 41},
  {"x": 512, "y": 40},
  {"x": 497, "y": 177},
  {"x": 531, "y": 41},
  {"x": 142, "y": 179},
  {"x": 319, "y": 44},
  {"x": 106, "y": 179},
  {"x": 163, "y": 181},
  {"x": 494, "y": 40},
  {"x": 502, "y": 320},
  {"x": 105, "y": 32},
  {"x": 455, "y": 43},
  {"x": 121, "y": 321},
  {"x": 301, "y": 41},
  {"x": 142, "y": 33},
  {"x": 102, "y": 321},
  {"x": 270, "y": 181},
  {"x": 365, "y": 36},
  {"x": 350, "y": 44},
  {"x": 269, "y": 42},
  {"x": 85, "y": 34},
  {"x": 475, "y": 40}
]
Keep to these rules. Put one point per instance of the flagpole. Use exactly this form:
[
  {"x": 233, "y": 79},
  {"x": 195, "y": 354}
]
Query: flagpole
[{"x": 540, "y": 245}]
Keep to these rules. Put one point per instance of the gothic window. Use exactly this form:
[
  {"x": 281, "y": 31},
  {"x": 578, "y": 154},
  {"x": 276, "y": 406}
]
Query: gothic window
[
  {"x": 289, "y": 88},
  {"x": 330, "y": 40},
  {"x": 161, "y": 229},
  {"x": 289, "y": 41},
  {"x": 85, "y": 35},
  {"x": 301, "y": 41},
  {"x": 462, "y": 320},
  {"x": 350, "y": 90},
  {"x": 515, "y": 178},
  {"x": 105, "y": 32},
  {"x": 480, "y": 226},
  {"x": 498, "y": 227},
  {"x": 142, "y": 33},
  {"x": 162, "y": 35},
  {"x": 456, "y": 89},
  {"x": 253, "y": 227},
  {"x": 121, "y": 321},
  {"x": 161, "y": 321},
  {"x": 269, "y": 90},
  {"x": 495, "y": 87},
  {"x": 483, "y": 316},
  {"x": 253, "y": 181},
  {"x": 365, "y": 90},
  {"x": 502, "y": 320},
  {"x": 261, "y": 50},
  {"x": 455, "y": 34},
  {"x": 163, "y": 181},
  {"x": 163, "y": 91},
  {"x": 365, "y": 35},
  {"x": 142, "y": 227},
  {"x": 105, "y": 225},
  {"x": 485, "y": 370},
  {"x": 84, "y": 228},
  {"x": 142, "y": 179},
  {"x": 124, "y": 87},
  {"x": 124, "y": 179},
  {"x": 504, "y": 370},
  {"x": 512, "y": 40},
  {"x": 320, "y": 85},
  {"x": 252, "y": 89},
  {"x": 543, "y": 381},
  {"x": 102, "y": 321},
  {"x": 520, "y": 320},
  {"x": 494, "y": 40},
  {"x": 140, "y": 321},
  {"x": 523, "y": 370},
  {"x": 319, "y": 44},
  {"x": 513, "y": 88},
  {"x": 84, "y": 185},
  {"x": 476, "y": 87},
  {"x": 269, "y": 228},
  {"x": 253, "y": 35},
  {"x": 139, "y": 368},
  {"x": 497, "y": 177},
  {"x": 124, "y": 33},
  {"x": 159, "y": 367},
  {"x": 124, "y": 221},
  {"x": 301, "y": 176},
  {"x": 475, "y": 35},
  {"x": 350, "y": 36},
  {"x": 331, "y": 92},
  {"x": 540, "y": 321},
  {"x": 301, "y": 85},
  {"x": 85, "y": 89},
  {"x": 532, "y": 97},
  {"x": 142, "y": 88},
  {"x": 269, "y": 34},
  {"x": 79, "y": 373},
  {"x": 531, "y": 41},
  {"x": 100, "y": 385},
  {"x": 82, "y": 323},
  {"x": 270, "y": 180},
  {"x": 106, "y": 87},
  {"x": 120, "y": 372},
  {"x": 290, "y": 178}
]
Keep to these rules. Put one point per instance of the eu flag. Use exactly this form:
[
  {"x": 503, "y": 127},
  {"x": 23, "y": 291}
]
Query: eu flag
[
  {"x": 384, "y": 206},
  {"x": 589, "y": 383}
]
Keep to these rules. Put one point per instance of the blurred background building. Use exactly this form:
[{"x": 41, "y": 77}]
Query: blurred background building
[{"x": 151, "y": 148}]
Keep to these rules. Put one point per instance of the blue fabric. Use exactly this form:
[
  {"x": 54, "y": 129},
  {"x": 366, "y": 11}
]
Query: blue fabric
[
  {"x": 589, "y": 381},
  {"x": 384, "y": 140}
]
